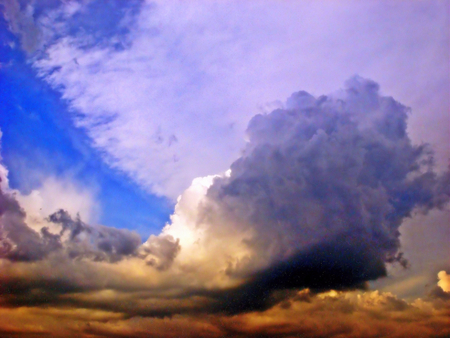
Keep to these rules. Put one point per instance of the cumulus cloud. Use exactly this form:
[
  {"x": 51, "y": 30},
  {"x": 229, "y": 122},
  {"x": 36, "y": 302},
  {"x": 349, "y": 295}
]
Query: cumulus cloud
[
  {"x": 160, "y": 251},
  {"x": 314, "y": 203},
  {"x": 318, "y": 196},
  {"x": 97, "y": 243},
  {"x": 24, "y": 238},
  {"x": 59, "y": 193},
  {"x": 31, "y": 239},
  {"x": 20, "y": 242},
  {"x": 442, "y": 290},
  {"x": 326, "y": 168}
]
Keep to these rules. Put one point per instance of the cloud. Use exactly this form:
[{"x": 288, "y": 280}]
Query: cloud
[
  {"x": 98, "y": 243},
  {"x": 22, "y": 23},
  {"x": 314, "y": 203},
  {"x": 40, "y": 23},
  {"x": 59, "y": 193},
  {"x": 334, "y": 314},
  {"x": 315, "y": 200},
  {"x": 160, "y": 251},
  {"x": 33, "y": 238},
  {"x": 19, "y": 242},
  {"x": 444, "y": 281},
  {"x": 318, "y": 196},
  {"x": 181, "y": 77}
]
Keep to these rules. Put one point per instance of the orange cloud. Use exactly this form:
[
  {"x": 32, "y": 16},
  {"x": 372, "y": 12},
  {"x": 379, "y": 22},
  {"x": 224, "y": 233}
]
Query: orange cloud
[
  {"x": 332, "y": 314},
  {"x": 444, "y": 281}
]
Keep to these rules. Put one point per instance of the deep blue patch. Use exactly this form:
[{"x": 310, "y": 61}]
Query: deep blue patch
[{"x": 40, "y": 140}]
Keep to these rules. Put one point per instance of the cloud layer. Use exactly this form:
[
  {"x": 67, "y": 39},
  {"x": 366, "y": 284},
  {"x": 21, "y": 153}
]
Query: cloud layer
[
  {"x": 314, "y": 203},
  {"x": 335, "y": 314}
]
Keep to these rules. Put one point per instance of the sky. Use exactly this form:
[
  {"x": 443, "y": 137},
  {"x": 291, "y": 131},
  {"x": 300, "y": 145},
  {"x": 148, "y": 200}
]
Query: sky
[{"x": 224, "y": 168}]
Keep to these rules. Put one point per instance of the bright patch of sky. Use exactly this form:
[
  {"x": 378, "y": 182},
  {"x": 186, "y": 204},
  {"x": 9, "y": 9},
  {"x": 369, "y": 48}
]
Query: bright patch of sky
[{"x": 40, "y": 141}]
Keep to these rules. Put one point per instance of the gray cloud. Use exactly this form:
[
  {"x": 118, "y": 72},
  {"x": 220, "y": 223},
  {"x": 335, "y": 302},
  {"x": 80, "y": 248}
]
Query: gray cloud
[
  {"x": 160, "y": 251},
  {"x": 323, "y": 186},
  {"x": 19, "y": 242},
  {"x": 109, "y": 23},
  {"x": 21, "y": 22},
  {"x": 98, "y": 243}
]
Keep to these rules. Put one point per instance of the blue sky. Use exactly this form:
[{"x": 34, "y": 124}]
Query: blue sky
[
  {"x": 50, "y": 145},
  {"x": 274, "y": 157}
]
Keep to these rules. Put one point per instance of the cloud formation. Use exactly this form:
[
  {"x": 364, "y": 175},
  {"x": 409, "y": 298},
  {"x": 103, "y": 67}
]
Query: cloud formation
[
  {"x": 33, "y": 238},
  {"x": 186, "y": 76},
  {"x": 100, "y": 242},
  {"x": 318, "y": 196},
  {"x": 19, "y": 242},
  {"x": 326, "y": 168},
  {"x": 314, "y": 203},
  {"x": 334, "y": 314},
  {"x": 444, "y": 281}
]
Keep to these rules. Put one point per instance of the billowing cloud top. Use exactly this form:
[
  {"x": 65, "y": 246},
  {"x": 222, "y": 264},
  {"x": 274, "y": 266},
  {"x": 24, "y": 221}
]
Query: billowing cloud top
[
  {"x": 315, "y": 201},
  {"x": 318, "y": 196},
  {"x": 333, "y": 169}
]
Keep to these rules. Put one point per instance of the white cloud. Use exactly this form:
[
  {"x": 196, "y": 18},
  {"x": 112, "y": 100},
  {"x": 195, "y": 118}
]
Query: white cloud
[
  {"x": 174, "y": 103},
  {"x": 3, "y": 171},
  {"x": 55, "y": 194}
]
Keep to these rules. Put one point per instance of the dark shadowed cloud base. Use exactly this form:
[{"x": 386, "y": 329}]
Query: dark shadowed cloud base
[{"x": 324, "y": 185}]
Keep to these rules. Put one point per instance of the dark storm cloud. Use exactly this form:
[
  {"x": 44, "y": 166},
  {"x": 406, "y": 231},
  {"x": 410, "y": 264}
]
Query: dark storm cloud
[
  {"x": 324, "y": 185},
  {"x": 339, "y": 264},
  {"x": 16, "y": 292}
]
